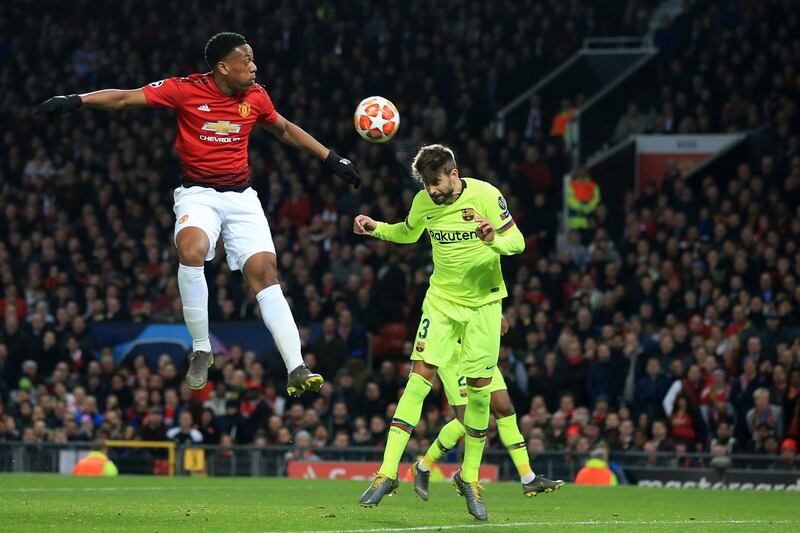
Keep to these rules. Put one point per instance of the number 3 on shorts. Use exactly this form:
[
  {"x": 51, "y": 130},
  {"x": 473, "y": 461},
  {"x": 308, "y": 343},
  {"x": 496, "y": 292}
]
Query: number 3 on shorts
[{"x": 424, "y": 331}]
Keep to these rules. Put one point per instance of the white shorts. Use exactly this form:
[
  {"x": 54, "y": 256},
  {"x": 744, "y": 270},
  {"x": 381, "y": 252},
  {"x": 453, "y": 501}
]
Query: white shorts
[{"x": 237, "y": 215}]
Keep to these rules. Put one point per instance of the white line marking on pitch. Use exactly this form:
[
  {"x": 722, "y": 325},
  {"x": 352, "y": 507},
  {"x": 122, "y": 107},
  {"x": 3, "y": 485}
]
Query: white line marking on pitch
[
  {"x": 99, "y": 489},
  {"x": 569, "y": 523}
]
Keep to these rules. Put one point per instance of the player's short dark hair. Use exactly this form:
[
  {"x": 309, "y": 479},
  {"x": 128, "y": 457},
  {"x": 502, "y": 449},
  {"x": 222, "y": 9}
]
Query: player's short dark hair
[
  {"x": 220, "y": 45},
  {"x": 432, "y": 160}
]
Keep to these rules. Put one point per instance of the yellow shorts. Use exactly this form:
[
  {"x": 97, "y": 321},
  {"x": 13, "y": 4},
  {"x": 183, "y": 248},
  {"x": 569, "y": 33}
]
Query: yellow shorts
[
  {"x": 455, "y": 385},
  {"x": 444, "y": 324}
]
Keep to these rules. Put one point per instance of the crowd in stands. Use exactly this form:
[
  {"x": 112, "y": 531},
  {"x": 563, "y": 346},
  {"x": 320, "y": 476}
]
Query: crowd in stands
[
  {"x": 724, "y": 67},
  {"x": 682, "y": 334}
]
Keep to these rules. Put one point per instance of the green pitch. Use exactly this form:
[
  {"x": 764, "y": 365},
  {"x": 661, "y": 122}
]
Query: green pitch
[{"x": 39, "y": 502}]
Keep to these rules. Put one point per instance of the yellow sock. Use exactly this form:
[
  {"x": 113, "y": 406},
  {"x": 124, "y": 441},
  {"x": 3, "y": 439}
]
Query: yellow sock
[
  {"x": 524, "y": 470},
  {"x": 514, "y": 442},
  {"x": 406, "y": 416},
  {"x": 427, "y": 462},
  {"x": 447, "y": 439},
  {"x": 476, "y": 423}
]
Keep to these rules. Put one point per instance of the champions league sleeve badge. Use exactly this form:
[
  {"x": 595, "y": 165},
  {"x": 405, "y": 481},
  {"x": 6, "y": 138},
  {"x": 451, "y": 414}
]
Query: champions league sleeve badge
[{"x": 503, "y": 208}]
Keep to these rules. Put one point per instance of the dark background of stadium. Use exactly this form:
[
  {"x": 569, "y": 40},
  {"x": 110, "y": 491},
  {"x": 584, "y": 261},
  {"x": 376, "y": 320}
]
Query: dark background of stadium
[{"x": 702, "y": 275}]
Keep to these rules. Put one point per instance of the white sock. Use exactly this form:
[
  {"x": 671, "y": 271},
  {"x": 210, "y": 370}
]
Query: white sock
[
  {"x": 194, "y": 294},
  {"x": 279, "y": 321},
  {"x": 527, "y": 478}
]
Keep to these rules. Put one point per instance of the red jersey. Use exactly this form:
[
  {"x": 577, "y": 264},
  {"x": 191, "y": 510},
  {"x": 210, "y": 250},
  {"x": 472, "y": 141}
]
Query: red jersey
[{"x": 213, "y": 128}]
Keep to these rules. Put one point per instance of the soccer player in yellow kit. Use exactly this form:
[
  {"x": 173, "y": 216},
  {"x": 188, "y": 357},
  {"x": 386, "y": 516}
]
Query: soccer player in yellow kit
[
  {"x": 470, "y": 227},
  {"x": 503, "y": 410}
]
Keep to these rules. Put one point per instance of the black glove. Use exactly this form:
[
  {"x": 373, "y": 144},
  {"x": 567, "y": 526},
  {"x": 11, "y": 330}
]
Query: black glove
[
  {"x": 58, "y": 104},
  {"x": 344, "y": 168}
]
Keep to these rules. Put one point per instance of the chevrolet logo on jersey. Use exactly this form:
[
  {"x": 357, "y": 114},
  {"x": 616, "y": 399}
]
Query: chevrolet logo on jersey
[{"x": 222, "y": 127}]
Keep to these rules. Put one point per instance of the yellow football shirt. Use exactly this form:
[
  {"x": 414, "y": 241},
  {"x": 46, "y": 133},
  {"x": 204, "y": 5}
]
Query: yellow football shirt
[{"x": 465, "y": 269}]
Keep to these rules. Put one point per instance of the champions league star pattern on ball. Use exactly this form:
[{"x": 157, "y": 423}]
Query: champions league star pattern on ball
[{"x": 376, "y": 119}]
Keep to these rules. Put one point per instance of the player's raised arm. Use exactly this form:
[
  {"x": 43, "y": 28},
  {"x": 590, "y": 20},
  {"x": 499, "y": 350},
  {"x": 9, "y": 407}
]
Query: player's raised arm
[
  {"x": 498, "y": 230},
  {"x": 107, "y": 100},
  {"x": 402, "y": 232},
  {"x": 364, "y": 225},
  {"x": 290, "y": 133}
]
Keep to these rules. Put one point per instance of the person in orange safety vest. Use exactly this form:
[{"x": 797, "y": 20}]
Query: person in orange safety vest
[
  {"x": 562, "y": 119},
  {"x": 583, "y": 196},
  {"x": 596, "y": 471},
  {"x": 95, "y": 463}
]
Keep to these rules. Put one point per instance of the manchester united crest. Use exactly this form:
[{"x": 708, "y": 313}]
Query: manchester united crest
[
  {"x": 468, "y": 214},
  {"x": 244, "y": 108}
]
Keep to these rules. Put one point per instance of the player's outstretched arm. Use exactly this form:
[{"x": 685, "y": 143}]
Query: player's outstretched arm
[
  {"x": 401, "y": 232},
  {"x": 364, "y": 225},
  {"x": 107, "y": 99},
  {"x": 290, "y": 133}
]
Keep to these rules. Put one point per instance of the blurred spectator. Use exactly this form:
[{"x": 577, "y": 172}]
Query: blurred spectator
[
  {"x": 562, "y": 119},
  {"x": 153, "y": 427},
  {"x": 651, "y": 389},
  {"x": 233, "y": 424},
  {"x": 604, "y": 380},
  {"x": 764, "y": 413},
  {"x": 330, "y": 349},
  {"x": 596, "y": 471},
  {"x": 631, "y": 123},
  {"x": 95, "y": 463},
  {"x": 184, "y": 433},
  {"x": 788, "y": 454},
  {"x": 583, "y": 197},
  {"x": 301, "y": 451}
]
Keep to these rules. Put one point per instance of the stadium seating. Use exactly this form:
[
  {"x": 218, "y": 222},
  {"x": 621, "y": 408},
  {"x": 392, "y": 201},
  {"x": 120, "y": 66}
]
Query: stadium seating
[{"x": 703, "y": 280}]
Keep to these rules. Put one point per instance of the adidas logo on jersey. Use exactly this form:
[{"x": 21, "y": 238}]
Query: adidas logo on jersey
[{"x": 205, "y": 108}]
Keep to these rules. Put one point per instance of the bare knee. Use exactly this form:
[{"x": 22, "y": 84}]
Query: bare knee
[
  {"x": 479, "y": 382},
  {"x": 260, "y": 271},
  {"x": 501, "y": 405},
  {"x": 192, "y": 246},
  {"x": 424, "y": 369}
]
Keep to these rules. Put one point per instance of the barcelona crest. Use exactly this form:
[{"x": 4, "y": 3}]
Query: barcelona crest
[
  {"x": 420, "y": 346},
  {"x": 467, "y": 214}
]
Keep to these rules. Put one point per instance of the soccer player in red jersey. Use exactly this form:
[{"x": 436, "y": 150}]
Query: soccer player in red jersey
[{"x": 216, "y": 112}]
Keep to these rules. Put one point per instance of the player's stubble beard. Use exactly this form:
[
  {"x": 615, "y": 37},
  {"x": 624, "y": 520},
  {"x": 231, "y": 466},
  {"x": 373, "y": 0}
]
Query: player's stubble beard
[{"x": 446, "y": 197}]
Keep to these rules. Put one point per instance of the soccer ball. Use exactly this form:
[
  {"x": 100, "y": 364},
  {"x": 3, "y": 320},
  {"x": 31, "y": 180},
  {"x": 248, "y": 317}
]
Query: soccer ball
[{"x": 376, "y": 119}]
